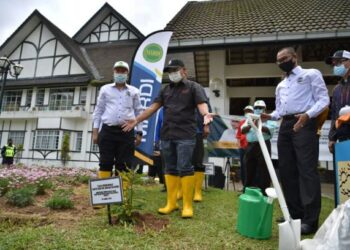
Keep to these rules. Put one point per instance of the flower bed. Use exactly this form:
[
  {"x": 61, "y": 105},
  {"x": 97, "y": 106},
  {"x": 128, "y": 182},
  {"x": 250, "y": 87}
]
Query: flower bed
[{"x": 40, "y": 178}]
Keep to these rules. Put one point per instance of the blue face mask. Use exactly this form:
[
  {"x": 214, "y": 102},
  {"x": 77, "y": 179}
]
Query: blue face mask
[
  {"x": 120, "y": 78},
  {"x": 258, "y": 111},
  {"x": 340, "y": 70}
]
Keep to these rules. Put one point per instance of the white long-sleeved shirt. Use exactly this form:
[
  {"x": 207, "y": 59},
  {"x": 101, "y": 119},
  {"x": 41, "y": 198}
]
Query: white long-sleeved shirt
[
  {"x": 116, "y": 106},
  {"x": 304, "y": 90}
]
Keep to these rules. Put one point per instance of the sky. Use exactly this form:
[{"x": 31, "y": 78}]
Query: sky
[{"x": 71, "y": 15}]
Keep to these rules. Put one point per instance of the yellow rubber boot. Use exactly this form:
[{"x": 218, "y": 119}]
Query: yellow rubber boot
[
  {"x": 172, "y": 184},
  {"x": 187, "y": 183},
  {"x": 179, "y": 192},
  {"x": 199, "y": 177},
  {"x": 102, "y": 175}
]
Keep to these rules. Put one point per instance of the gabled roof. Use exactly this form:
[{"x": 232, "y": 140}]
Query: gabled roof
[
  {"x": 29, "y": 24},
  {"x": 241, "y": 21},
  {"x": 99, "y": 16}
]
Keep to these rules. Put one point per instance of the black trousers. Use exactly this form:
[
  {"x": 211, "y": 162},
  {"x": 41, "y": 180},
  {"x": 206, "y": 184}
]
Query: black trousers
[
  {"x": 157, "y": 168},
  {"x": 257, "y": 174},
  {"x": 7, "y": 160},
  {"x": 298, "y": 159},
  {"x": 116, "y": 148},
  {"x": 198, "y": 154}
]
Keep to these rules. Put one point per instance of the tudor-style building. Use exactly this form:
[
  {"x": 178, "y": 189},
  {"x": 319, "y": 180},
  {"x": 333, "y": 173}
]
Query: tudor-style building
[
  {"x": 227, "y": 45},
  {"x": 56, "y": 91}
]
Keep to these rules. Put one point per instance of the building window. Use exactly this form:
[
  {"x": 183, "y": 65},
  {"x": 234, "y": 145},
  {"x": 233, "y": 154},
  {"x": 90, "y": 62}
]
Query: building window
[
  {"x": 11, "y": 100},
  {"x": 94, "y": 147},
  {"x": 46, "y": 139},
  {"x": 249, "y": 82},
  {"x": 78, "y": 141},
  {"x": 29, "y": 97},
  {"x": 237, "y": 105},
  {"x": 82, "y": 99},
  {"x": 17, "y": 137},
  {"x": 40, "y": 97},
  {"x": 61, "y": 99}
]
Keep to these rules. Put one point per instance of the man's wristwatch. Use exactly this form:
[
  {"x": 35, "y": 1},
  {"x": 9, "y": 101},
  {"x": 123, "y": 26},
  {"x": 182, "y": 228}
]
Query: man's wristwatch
[{"x": 139, "y": 133}]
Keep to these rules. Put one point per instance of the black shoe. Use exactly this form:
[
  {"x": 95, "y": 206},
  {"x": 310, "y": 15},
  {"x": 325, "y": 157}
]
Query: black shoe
[
  {"x": 280, "y": 219},
  {"x": 307, "y": 229}
]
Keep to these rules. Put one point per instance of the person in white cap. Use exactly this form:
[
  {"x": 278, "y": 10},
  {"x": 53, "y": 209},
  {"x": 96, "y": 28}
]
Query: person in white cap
[
  {"x": 257, "y": 174},
  {"x": 117, "y": 102},
  {"x": 341, "y": 94},
  {"x": 243, "y": 143}
]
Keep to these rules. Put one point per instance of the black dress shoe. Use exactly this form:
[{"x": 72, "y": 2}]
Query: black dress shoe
[
  {"x": 307, "y": 229},
  {"x": 280, "y": 219}
]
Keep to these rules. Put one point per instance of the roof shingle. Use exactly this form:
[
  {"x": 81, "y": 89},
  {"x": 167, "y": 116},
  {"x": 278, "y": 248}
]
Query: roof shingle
[{"x": 230, "y": 18}]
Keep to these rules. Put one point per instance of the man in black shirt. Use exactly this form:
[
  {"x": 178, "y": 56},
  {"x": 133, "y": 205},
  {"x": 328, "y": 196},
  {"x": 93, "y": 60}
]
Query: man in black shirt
[{"x": 179, "y": 100}]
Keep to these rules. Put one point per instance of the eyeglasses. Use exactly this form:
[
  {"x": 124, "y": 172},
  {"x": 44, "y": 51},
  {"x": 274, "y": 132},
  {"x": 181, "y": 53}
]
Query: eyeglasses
[{"x": 337, "y": 62}]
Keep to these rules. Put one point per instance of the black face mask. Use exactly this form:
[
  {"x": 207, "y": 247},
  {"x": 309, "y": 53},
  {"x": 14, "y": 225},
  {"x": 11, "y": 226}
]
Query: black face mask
[{"x": 287, "y": 66}]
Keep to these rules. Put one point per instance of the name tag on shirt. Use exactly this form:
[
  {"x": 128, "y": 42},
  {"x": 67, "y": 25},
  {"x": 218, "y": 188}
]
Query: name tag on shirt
[{"x": 300, "y": 80}]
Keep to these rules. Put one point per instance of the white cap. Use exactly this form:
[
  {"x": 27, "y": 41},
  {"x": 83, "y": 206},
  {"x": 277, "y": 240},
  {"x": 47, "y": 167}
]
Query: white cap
[
  {"x": 249, "y": 107},
  {"x": 121, "y": 64},
  {"x": 344, "y": 110},
  {"x": 259, "y": 103}
]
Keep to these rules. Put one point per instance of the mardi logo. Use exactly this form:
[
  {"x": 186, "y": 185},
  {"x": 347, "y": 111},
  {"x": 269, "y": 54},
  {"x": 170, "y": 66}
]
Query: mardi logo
[{"x": 153, "y": 53}]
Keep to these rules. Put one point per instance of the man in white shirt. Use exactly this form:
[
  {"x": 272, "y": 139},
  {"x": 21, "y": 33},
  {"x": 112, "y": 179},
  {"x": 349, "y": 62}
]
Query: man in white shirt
[
  {"x": 300, "y": 97},
  {"x": 117, "y": 102}
]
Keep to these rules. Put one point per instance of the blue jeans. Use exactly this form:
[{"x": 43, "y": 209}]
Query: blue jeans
[{"x": 177, "y": 156}]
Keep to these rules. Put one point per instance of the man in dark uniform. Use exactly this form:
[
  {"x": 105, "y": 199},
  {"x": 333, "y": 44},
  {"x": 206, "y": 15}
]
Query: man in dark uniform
[
  {"x": 8, "y": 153},
  {"x": 341, "y": 95},
  {"x": 179, "y": 100}
]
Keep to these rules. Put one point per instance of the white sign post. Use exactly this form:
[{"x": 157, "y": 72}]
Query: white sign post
[
  {"x": 105, "y": 192},
  {"x": 209, "y": 170}
]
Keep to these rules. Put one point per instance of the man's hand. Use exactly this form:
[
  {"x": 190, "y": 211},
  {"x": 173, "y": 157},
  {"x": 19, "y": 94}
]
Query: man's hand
[
  {"x": 206, "y": 131},
  {"x": 129, "y": 125},
  {"x": 138, "y": 140},
  {"x": 302, "y": 120},
  {"x": 331, "y": 146},
  {"x": 95, "y": 135},
  {"x": 264, "y": 117},
  {"x": 156, "y": 153},
  {"x": 208, "y": 118}
]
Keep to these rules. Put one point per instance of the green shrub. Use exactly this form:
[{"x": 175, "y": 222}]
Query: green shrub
[
  {"x": 83, "y": 179},
  {"x": 42, "y": 186},
  {"x": 126, "y": 211},
  {"x": 21, "y": 197},
  {"x": 4, "y": 186},
  {"x": 60, "y": 200}
]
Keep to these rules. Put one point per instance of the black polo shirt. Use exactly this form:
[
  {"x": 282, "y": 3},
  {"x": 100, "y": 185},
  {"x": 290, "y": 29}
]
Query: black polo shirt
[{"x": 179, "y": 103}]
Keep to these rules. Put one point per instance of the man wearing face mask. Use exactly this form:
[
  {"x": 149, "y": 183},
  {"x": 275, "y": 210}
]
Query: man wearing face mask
[
  {"x": 179, "y": 99},
  {"x": 341, "y": 94},
  {"x": 257, "y": 174},
  {"x": 243, "y": 143},
  {"x": 117, "y": 102},
  {"x": 300, "y": 97}
]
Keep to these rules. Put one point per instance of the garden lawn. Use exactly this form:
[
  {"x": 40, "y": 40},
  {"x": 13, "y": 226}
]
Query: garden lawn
[{"x": 212, "y": 227}]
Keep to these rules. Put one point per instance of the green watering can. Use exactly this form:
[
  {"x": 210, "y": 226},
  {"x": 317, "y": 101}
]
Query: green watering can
[{"x": 255, "y": 214}]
